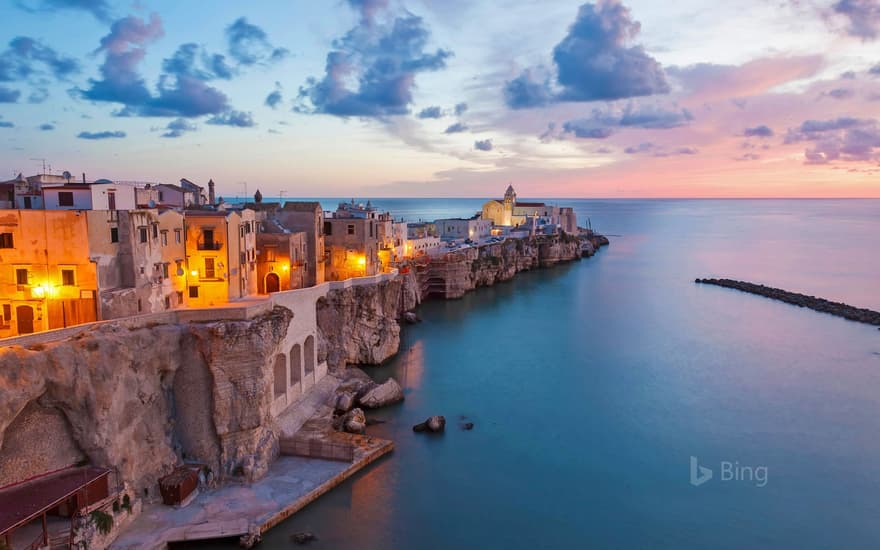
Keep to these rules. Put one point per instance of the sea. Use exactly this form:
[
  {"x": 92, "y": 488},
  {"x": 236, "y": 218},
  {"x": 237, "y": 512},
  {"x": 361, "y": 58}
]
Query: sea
[{"x": 617, "y": 404}]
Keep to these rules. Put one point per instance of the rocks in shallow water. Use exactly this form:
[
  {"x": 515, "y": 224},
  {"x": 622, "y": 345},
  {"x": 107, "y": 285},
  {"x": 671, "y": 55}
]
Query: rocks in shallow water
[
  {"x": 467, "y": 426},
  {"x": 434, "y": 424},
  {"x": 383, "y": 394},
  {"x": 303, "y": 538},
  {"x": 411, "y": 318},
  {"x": 344, "y": 402},
  {"x": 354, "y": 421}
]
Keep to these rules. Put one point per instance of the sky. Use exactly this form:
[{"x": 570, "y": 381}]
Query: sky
[{"x": 451, "y": 98}]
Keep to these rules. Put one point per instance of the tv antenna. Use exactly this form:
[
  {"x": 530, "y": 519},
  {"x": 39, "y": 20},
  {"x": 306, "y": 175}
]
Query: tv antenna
[
  {"x": 44, "y": 164},
  {"x": 244, "y": 183}
]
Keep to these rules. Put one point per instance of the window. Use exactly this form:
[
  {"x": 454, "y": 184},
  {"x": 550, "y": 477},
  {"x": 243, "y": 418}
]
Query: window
[
  {"x": 161, "y": 196},
  {"x": 193, "y": 292},
  {"x": 21, "y": 276},
  {"x": 243, "y": 258},
  {"x": 179, "y": 268},
  {"x": 328, "y": 228},
  {"x": 7, "y": 312},
  {"x": 351, "y": 229},
  {"x": 68, "y": 277},
  {"x": 209, "y": 268},
  {"x": 142, "y": 232},
  {"x": 65, "y": 198},
  {"x": 167, "y": 302},
  {"x": 208, "y": 237},
  {"x": 114, "y": 234},
  {"x": 180, "y": 296},
  {"x": 27, "y": 203},
  {"x": 140, "y": 305},
  {"x": 155, "y": 230},
  {"x": 371, "y": 229},
  {"x": 165, "y": 238},
  {"x": 270, "y": 253},
  {"x": 6, "y": 240},
  {"x": 177, "y": 236}
]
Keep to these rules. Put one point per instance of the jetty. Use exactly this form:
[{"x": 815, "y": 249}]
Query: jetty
[{"x": 860, "y": 315}]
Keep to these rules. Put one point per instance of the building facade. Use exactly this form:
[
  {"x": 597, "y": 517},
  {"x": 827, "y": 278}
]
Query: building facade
[
  {"x": 475, "y": 229},
  {"x": 308, "y": 218}
]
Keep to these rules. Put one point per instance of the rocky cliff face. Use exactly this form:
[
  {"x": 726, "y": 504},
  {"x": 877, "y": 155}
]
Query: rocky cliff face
[
  {"x": 358, "y": 325},
  {"x": 465, "y": 270},
  {"x": 142, "y": 400}
]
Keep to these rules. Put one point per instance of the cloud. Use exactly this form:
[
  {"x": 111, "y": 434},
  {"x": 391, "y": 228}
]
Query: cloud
[
  {"x": 603, "y": 122},
  {"x": 430, "y": 112},
  {"x": 237, "y": 119},
  {"x": 842, "y": 139},
  {"x": 593, "y": 62},
  {"x": 275, "y": 97},
  {"x": 8, "y": 95},
  {"x": 748, "y": 156},
  {"x": 483, "y": 145},
  {"x": 182, "y": 92},
  {"x": 192, "y": 60},
  {"x": 762, "y": 131},
  {"x": 47, "y": 127},
  {"x": 657, "y": 151},
  {"x": 107, "y": 134},
  {"x": 99, "y": 8},
  {"x": 178, "y": 127},
  {"x": 460, "y": 108},
  {"x": 38, "y": 95},
  {"x": 863, "y": 17},
  {"x": 875, "y": 70},
  {"x": 5, "y": 123},
  {"x": 27, "y": 57},
  {"x": 840, "y": 93},
  {"x": 456, "y": 128},
  {"x": 371, "y": 70},
  {"x": 250, "y": 45}
]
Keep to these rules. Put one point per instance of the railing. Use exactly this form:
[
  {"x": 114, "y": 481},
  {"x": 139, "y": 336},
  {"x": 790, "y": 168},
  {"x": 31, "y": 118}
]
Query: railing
[
  {"x": 209, "y": 245},
  {"x": 317, "y": 448}
]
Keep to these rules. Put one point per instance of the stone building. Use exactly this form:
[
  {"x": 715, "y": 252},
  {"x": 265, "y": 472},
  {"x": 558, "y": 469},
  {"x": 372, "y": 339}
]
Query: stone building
[
  {"x": 140, "y": 257},
  {"x": 282, "y": 259},
  {"x": 307, "y": 217},
  {"x": 352, "y": 242},
  {"x": 221, "y": 256},
  {"x": 475, "y": 228},
  {"x": 47, "y": 280}
]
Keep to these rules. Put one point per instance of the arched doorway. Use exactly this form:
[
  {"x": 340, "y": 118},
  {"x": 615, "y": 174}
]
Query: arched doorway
[
  {"x": 273, "y": 283},
  {"x": 25, "y": 316}
]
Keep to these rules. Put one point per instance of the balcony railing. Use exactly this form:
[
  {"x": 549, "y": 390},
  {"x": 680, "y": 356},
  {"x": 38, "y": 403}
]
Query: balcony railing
[{"x": 209, "y": 245}]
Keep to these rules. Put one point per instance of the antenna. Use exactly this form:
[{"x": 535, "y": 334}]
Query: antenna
[
  {"x": 44, "y": 164},
  {"x": 244, "y": 183}
]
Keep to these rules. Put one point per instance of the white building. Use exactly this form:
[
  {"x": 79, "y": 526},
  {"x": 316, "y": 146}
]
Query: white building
[
  {"x": 100, "y": 195},
  {"x": 475, "y": 229}
]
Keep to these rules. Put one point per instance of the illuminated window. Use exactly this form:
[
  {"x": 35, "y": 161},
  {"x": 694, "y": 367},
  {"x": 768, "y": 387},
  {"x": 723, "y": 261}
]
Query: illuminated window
[
  {"x": 6, "y": 240},
  {"x": 68, "y": 277}
]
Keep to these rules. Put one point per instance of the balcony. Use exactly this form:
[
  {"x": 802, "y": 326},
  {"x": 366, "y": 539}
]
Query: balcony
[{"x": 209, "y": 245}]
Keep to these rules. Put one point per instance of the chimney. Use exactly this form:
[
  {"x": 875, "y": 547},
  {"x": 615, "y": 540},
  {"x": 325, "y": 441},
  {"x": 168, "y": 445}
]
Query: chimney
[
  {"x": 84, "y": 178},
  {"x": 211, "y": 192}
]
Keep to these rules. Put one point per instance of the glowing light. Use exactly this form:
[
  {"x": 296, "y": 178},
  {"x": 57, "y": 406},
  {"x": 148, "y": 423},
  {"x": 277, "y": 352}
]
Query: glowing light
[
  {"x": 362, "y": 261},
  {"x": 194, "y": 273},
  {"x": 285, "y": 267},
  {"x": 39, "y": 291}
]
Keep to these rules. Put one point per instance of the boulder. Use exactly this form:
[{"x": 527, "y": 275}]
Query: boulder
[
  {"x": 303, "y": 538},
  {"x": 344, "y": 402},
  {"x": 383, "y": 394},
  {"x": 467, "y": 426},
  {"x": 411, "y": 318},
  {"x": 434, "y": 424},
  {"x": 354, "y": 421}
]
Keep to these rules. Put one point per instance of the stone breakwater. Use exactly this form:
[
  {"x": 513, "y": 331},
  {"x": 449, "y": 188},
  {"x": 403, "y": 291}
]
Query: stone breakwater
[{"x": 839, "y": 309}]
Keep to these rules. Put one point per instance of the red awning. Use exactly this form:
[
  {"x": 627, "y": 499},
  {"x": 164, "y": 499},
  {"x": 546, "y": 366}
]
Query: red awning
[{"x": 22, "y": 502}]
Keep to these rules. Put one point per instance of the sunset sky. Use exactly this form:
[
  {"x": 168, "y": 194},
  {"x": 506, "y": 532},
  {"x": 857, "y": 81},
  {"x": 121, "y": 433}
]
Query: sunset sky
[{"x": 372, "y": 98}]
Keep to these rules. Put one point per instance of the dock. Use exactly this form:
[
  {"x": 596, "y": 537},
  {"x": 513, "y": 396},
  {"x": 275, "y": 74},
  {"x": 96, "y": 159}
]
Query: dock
[{"x": 247, "y": 510}]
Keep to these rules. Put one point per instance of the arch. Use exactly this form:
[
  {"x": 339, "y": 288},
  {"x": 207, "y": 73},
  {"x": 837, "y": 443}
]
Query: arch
[
  {"x": 280, "y": 375},
  {"x": 309, "y": 352},
  {"x": 25, "y": 319},
  {"x": 295, "y": 364},
  {"x": 273, "y": 283}
]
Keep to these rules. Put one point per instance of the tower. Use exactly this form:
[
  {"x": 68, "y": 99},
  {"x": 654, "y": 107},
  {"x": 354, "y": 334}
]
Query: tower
[{"x": 509, "y": 203}]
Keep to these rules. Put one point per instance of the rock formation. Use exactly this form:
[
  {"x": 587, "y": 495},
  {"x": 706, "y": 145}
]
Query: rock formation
[{"x": 380, "y": 395}]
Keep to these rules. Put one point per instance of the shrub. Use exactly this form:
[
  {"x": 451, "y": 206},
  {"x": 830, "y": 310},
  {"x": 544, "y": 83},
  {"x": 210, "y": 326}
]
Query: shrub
[{"x": 103, "y": 521}]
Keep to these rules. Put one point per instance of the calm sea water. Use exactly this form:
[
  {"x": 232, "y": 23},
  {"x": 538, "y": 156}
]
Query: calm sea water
[{"x": 592, "y": 384}]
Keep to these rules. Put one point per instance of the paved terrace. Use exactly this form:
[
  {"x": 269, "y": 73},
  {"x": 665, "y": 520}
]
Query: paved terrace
[{"x": 236, "y": 509}]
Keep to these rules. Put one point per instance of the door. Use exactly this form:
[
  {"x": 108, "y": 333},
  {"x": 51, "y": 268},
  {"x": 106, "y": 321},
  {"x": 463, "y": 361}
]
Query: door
[
  {"x": 27, "y": 203},
  {"x": 111, "y": 200},
  {"x": 25, "y": 317},
  {"x": 273, "y": 283}
]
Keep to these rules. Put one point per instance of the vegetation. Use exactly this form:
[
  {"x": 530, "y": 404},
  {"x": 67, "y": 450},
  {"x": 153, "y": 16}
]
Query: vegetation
[
  {"x": 103, "y": 521},
  {"x": 126, "y": 502}
]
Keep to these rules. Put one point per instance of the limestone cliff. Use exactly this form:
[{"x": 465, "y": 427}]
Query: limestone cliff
[
  {"x": 358, "y": 325},
  {"x": 141, "y": 400}
]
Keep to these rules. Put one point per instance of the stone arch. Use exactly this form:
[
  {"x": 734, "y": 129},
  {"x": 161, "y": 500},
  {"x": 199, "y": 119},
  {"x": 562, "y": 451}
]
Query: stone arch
[
  {"x": 295, "y": 364},
  {"x": 280, "y": 376},
  {"x": 272, "y": 283},
  {"x": 309, "y": 352}
]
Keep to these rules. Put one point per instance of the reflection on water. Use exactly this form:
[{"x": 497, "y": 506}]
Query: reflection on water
[{"x": 592, "y": 384}]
